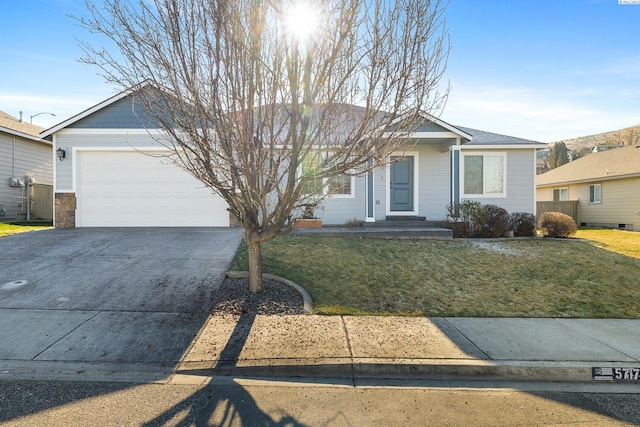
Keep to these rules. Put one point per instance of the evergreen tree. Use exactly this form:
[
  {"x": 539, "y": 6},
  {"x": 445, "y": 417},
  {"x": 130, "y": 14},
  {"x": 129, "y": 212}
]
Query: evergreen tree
[{"x": 559, "y": 155}]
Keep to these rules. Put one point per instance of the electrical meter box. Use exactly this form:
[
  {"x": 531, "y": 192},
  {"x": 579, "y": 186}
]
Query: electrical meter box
[{"x": 15, "y": 182}]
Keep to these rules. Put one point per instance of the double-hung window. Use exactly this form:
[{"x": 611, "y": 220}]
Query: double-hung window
[
  {"x": 484, "y": 174},
  {"x": 595, "y": 193}
]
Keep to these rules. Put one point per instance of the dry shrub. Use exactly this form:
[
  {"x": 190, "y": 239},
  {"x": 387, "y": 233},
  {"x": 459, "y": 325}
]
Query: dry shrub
[
  {"x": 495, "y": 221},
  {"x": 557, "y": 224},
  {"x": 523, "y": 224}
]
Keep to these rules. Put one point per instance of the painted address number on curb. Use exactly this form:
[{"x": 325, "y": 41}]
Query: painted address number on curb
[{"x": 616, "y": 374}]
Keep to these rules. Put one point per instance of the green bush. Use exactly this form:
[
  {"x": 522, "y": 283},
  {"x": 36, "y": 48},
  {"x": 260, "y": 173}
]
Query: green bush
[
  {"x": 523, "y": 224},
  {"x": 495, "y": 221},
  {"x": 466, "y": 218},
  {"x": 557, "y": 224}
]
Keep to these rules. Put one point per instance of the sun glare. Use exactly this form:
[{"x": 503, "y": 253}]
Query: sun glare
[{"x": 301, "y": 20}]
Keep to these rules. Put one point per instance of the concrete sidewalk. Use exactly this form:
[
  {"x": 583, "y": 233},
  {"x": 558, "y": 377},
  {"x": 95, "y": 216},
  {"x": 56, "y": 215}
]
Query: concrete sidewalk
[{"x": 508, "y": 349}]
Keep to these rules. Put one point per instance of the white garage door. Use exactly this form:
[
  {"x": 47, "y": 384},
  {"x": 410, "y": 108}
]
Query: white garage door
[{"x": 131, "y": 189}]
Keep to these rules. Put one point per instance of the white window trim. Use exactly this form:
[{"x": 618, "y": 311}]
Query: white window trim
[
  {"x": 594, "y": 202},
  {"x": 351, "y": 194},
  {"x": 325, "y": 188},
  {"x": 560, "y": 192},
  {"x": 504, "y": 175}
]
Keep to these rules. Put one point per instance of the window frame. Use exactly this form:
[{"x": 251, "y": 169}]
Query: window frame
[
  {"x": 484, "y": 194},
  {"x": 325, "y": 184},
  {"x": 560, "y": 191},
  {"x": 599, "y": 198},
  {"x": 349, "y": 195}
]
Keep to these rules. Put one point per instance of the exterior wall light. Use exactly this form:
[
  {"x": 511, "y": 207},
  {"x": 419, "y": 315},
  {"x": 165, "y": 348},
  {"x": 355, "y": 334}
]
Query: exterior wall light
[{"x": 61, "y": 154}]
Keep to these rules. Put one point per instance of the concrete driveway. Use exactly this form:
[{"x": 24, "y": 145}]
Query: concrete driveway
[{"x": 111, "y": 304}]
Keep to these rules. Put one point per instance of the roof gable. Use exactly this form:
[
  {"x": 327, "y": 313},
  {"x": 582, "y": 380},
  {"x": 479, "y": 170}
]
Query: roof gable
[
  {"x": 481, "y": 137},
  {"x": 425, "y": 125},
  {"x": 122, "y": 110},
  {"x": 618, "y": 163}
]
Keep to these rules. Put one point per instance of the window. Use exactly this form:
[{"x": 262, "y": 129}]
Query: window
[
  {"x": 484, "y": 175},
  {"x": 310, "y": 167},
  {"x": 340, "y": 185},
  {"x": 561, "y": 194},
  {"x": 595, "y": 192}
]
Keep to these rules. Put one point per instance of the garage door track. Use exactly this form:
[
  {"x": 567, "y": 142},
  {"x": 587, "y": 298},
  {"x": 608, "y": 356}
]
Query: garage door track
[{"x": 106, "y": 304}]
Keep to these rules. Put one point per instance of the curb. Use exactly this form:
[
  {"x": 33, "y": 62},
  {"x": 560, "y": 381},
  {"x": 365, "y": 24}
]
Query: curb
[
  {"x": 306, "y": 298},
  {"x": 400, "y": 369}
]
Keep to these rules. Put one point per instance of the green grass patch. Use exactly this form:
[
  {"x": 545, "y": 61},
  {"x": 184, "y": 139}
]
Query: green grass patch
[
  {"x": 488, "y": 278},
  {"x": 7, "y": 229}
]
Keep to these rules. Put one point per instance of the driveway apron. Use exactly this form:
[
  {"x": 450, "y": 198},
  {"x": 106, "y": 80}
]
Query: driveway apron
[{"x": 107, "y": 295}]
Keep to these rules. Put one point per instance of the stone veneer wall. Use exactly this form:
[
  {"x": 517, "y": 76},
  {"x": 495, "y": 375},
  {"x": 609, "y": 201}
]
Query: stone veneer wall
[
  {"x": 233, "y": 220},
  {"x": 65, "y": 210}
]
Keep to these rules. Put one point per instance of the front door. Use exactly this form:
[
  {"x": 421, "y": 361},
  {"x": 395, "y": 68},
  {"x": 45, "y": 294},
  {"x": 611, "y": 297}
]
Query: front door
[{"x": 401, "y": 184}]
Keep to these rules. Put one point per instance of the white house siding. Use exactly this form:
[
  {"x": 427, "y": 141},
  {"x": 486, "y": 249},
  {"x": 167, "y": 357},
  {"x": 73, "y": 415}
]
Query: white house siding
[
  {"x": 520, "y": 180},
  {"x": 29, "y": 157}
]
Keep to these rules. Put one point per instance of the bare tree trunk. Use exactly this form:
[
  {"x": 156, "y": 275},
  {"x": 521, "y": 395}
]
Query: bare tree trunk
[{"x": 255, "y": 262}]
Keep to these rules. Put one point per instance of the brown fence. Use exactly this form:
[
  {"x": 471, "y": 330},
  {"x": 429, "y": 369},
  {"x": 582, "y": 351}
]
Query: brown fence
[
  {"x": 42, "y": 202},
  {"x": 569, "y": 207}
]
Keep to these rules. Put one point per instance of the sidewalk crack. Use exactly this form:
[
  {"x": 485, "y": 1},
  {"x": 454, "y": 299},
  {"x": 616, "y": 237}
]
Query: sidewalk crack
[{"x": 348, "y": 338}]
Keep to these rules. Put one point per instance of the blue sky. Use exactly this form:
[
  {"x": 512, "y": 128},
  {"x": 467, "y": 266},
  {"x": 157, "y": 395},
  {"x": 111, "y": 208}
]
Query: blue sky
[{"x": 540, "y": 69}]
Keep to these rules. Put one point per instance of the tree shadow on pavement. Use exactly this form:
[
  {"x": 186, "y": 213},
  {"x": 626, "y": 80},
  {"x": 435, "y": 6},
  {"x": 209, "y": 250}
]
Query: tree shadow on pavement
[{"x": 228, "y": 403}]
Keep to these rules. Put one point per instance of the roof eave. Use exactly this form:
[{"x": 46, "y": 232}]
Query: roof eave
[
  {"x": 23, "y": 135},
  {"x": 587, "y": 180}
]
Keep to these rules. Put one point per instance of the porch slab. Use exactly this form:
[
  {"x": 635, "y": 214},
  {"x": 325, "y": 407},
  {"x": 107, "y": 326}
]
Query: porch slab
[{"x": 427, "y": 233}]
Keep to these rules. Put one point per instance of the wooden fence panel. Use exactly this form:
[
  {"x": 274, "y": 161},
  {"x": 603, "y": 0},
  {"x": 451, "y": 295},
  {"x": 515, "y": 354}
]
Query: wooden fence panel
[
  {"x": 42, "y": 202},
  {"x": 569, "y": 207}
]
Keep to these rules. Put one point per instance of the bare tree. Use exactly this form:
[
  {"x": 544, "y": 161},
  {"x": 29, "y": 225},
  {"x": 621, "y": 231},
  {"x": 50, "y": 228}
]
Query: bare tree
[{"x": 247, "y": 99}]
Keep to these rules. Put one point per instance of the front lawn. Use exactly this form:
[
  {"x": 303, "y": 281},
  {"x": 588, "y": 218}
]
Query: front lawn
[
  {"x": 488, "y": 278},
  {"x": 7, "y": 229}
]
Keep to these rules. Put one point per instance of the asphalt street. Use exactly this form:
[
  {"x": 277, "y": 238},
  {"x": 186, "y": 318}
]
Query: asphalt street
[{"x": 250, "y": 402}]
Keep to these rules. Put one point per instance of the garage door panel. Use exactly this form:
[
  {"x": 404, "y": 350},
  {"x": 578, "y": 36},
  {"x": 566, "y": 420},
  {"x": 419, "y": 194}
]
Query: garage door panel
[{"x": 128, "y": 188}]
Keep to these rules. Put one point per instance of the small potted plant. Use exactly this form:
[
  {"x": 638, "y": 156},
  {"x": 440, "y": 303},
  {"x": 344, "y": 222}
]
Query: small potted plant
[{"x": 308, "y": 219}]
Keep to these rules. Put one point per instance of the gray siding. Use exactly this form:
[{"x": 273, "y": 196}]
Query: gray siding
[
  {"x": 66, "y": 141},
  {"x": 27, "y": 158},
  {"x": 520, "y": 195},
  {"x": 126, "y": 113},
  {"x": 434, "y": 187},
  {"x": 339, "y": 210}
]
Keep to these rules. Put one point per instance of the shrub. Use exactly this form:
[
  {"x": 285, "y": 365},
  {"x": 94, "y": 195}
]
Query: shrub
[
  {"x": 557, "y": 224},
  {"x": 495, "y": 221},
  {"x": 465, "y": 219},
  {"x": 353, "y": 223},
  {"x": 523, "y": 224}
]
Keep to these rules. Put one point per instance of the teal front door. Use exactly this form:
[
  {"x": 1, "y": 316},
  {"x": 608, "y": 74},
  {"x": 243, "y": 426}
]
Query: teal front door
[{"x": 401, "y": 184}]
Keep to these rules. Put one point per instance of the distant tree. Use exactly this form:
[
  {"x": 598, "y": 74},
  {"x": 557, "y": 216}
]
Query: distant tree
[
  {"x": 559, "y": 155},
  {"x": 256, "y": 91}
]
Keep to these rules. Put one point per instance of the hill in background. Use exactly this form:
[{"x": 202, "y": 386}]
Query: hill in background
[
  {"x": 584, "y": 145},
  {"x": 626, "y": 136}
]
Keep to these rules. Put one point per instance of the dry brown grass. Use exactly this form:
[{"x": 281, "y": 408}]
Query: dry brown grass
[{"x": 501, "y": 278}]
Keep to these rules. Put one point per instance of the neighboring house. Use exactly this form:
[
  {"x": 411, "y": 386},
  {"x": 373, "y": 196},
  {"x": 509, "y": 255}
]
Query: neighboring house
[
  {"x": 605, "y": 185},
  {"x": 107, "y": 177},
  {"x": 26, "y": 172}
]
